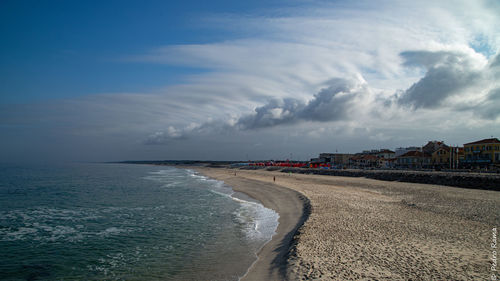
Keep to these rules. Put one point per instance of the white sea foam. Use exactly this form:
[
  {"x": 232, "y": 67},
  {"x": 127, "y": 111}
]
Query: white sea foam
[
  {"x": 61, "y": 230},
  {"x": 52, "y": 224},
  {"x": 257, "y": 222},
  {"x": 113, "y": 231},
  {"x": 65, "y": 233},
  {"x": 19, "y": 234}
]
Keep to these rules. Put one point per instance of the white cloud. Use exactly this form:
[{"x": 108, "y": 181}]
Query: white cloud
[
  {"x": 449, "y": 74},
  {"x": 290, "y": 76},
  {"x": 268, "y": 79}
]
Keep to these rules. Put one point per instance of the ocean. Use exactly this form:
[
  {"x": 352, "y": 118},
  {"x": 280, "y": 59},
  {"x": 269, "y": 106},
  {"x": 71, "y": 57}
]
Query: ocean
[{"x": 125, "y": 222}]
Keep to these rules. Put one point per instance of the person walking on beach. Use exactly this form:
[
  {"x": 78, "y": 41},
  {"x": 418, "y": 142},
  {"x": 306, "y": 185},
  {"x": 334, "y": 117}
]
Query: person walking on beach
[{"x": 274, "y": 178}]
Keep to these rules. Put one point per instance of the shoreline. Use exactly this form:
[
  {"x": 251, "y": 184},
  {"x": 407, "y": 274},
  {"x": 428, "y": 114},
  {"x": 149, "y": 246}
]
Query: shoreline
[
  {"x": 366, "y": 229},
  {"x": 293, "y": 209},
  {"x": 485, "y": 181}
]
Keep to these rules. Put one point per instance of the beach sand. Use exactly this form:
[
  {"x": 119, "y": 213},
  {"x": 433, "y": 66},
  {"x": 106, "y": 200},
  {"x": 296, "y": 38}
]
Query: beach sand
[
  {"x": 364, "y": 229},
  {"x": 289, "y": 204}
]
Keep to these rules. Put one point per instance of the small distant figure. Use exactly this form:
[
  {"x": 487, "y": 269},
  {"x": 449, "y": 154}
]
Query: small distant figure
[{"x": 274, "y": 178}]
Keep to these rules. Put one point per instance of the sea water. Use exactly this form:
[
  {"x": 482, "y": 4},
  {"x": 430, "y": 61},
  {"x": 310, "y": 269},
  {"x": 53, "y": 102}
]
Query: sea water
[{"x": 125, "y": 222}]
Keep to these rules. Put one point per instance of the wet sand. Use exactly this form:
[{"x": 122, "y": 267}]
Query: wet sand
[
  {"x": 364, "y": 229},
  {"x": 289, "y": 204}
]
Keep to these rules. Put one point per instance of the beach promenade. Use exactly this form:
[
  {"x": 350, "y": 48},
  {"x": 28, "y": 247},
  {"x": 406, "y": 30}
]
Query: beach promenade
[{"x": 365, "y": 229}]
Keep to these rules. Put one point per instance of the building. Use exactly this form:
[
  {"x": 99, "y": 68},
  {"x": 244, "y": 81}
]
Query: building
[
  {"x": 447, "y": 157},
  {"x": 402, "y": 150},
  {"x": 386, "y": 154},
  {"x": 387, "y": 163},
  {"x": 413, "y": 160},
  {"x": 381, "y": 153},
  {"x": 326, "y": 157},
  {"x": 335, "y": 159},
  {"x": 461, "y": 155},
  {"x": 433, "y": 146},
  {"x": 364, "y": 161},
  {"x": 482, "y": 153},
  {"x": 315, "y": 160},
  {"x": 441, "y": 158},
  {"x": 341, "y": 159}
]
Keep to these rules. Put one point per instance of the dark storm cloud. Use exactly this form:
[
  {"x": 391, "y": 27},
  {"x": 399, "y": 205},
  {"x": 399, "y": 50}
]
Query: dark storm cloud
[
  {"x": 275, "y": 112},
  {"x": 495, "y": 63},
  {"x": 334, "y": 102},
  {"x": 330, "y": 104},
  {"x": 491, "y": 109},
  {"x": 448, "y": 73}
]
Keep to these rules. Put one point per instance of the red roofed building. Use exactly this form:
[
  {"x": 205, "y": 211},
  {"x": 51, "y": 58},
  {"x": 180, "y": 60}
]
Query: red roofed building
[
  {"x": 433, "y": 146},
  {"x": 364, "y": 161},
  {"x": 414, "y": 159}
]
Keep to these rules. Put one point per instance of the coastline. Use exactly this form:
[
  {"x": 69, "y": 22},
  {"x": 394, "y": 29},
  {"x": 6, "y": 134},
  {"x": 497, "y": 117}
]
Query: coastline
[
  {"x": 293, "y": 210},
  {"x": 366, "y": 229}
]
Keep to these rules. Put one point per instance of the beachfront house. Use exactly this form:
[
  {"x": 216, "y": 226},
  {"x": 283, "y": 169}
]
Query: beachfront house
[
  {"x": 414, "y": 160},
  {"x": 338, "y": 160},
  {"x": 441, "y": 158},
  {"x": 326, "y": 157},
  {"x": 482, "y": 153},
  {"x": 433, "y": 146},
  {"x": 386, "y": 154},
  {"x": 387, "y": 163},
  {"x": 341, "y": 160},
  {"x": 447, "y": 157},
  {"x": 364, "y": 161}
]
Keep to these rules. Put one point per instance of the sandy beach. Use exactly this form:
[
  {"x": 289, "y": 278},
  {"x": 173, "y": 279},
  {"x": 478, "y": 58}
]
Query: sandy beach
[
  {"x": 364, "y": 229},
  {"x": 272, "y": 258}
]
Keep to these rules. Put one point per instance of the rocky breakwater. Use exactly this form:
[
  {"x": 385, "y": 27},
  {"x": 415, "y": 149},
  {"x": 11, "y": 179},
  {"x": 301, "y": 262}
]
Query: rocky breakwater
[{"x": 465, "y": 180}]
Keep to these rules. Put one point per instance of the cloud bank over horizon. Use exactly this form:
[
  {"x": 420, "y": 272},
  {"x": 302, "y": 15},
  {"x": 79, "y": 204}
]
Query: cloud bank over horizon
[
  {"x": 324, "y": 76},
  {"x": 330, "y": 104},
  {"x": 449, "y": 74}
]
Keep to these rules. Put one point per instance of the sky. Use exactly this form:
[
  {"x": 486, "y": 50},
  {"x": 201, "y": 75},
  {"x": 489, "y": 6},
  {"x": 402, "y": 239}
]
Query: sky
[{"x": 243, "y": 80}]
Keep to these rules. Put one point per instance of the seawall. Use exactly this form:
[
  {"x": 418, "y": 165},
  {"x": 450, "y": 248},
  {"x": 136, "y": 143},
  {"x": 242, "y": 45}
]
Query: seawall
[{"x": 464, "y": 180}]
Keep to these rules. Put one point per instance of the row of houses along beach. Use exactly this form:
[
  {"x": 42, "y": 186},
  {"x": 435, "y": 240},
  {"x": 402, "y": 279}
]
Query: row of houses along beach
[
  {"x": 475, "y": 165},
  {"x": 482, "y": 154}
]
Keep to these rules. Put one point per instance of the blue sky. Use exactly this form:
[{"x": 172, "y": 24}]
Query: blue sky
[
  {"x": 115, "y": 80},
  {"x": 60, "y": 49}
]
